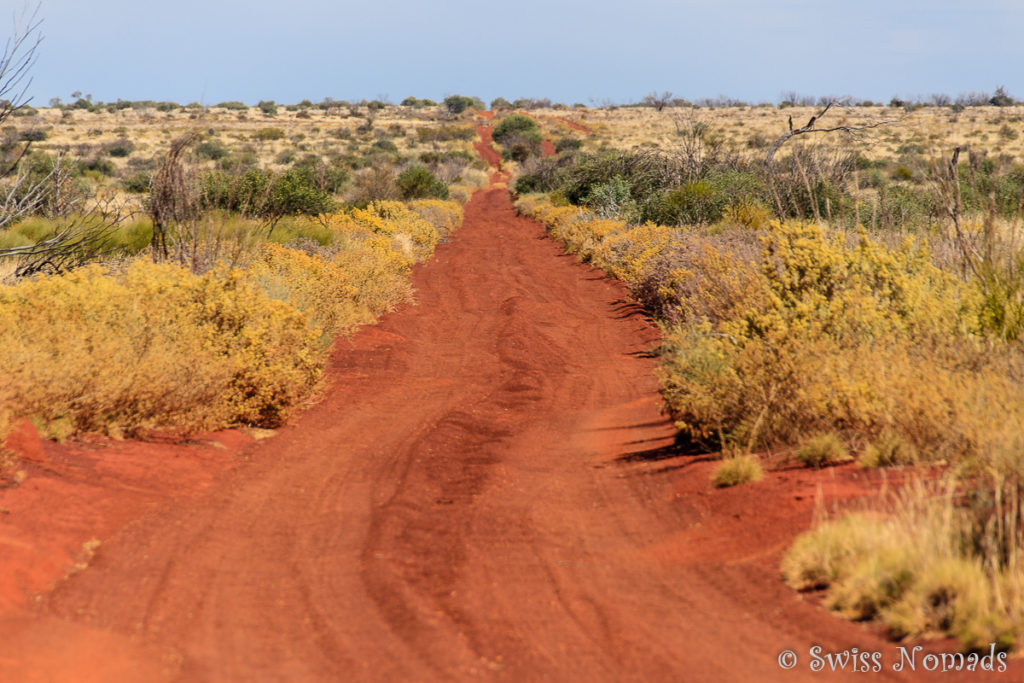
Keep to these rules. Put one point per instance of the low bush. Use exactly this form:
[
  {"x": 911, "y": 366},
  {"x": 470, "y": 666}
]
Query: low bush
[
  {"x": 516, "y": 125},
  {"x": 153, "y": 346},
  {"x": 226, "y": 347},
  {"x": 418, "y": 182},
  {"x": 914, "y": 570},
  {"x": 269, "y": 134},
  {"x": 736, "y": 470},
  {"x": 823, "y": 449}
]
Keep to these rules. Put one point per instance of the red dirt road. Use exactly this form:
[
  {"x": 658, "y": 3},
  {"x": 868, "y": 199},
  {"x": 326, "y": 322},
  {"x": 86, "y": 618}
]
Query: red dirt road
[{"x": 483, "y": 493}]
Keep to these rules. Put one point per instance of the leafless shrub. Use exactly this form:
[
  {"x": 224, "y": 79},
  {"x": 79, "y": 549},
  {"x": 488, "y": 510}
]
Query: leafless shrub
[
  {"x": 375, "y": 182},
  {"x": 174, "y": 202},
  {"x": 657, "y": 101},
  {"x": 22, "y": 193}
]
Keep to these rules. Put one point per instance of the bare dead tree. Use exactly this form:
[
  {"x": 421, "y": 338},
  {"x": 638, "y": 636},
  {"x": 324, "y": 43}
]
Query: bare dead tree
[
  {"x": 81, "y": 239},
  {"x": 812, "y": 126},
  {"x": 86, "y": 233},
  {"x": 697, "y": 151},
  {"x": 945, "y": 180},
  {"x": 657, "y": 101},
  {"x": 16, "y": 61},
  {"x": 174, "y": 203}
]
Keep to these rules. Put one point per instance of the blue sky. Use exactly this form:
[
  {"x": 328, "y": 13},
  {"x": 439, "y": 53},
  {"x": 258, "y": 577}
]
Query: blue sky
[{"x": 570, "y": 51}]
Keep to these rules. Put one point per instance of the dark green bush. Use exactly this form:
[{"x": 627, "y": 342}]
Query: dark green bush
[
  {"x": 211, "y": 149},
  {"x": 238, "y": 192},
  {"x": 265, "y": 195},
  {"x": 700, "y": 202},
  {"x": 269, "y": 134},
  {"x": 137, "y": 183},
  {"x": 417, "y": 182},
  {"x": 33, "y": 135},
  {"x": 385, "y": 145},
  {"x": 567, "y": 144},
  {"x": 456, "y": 104},
  {"x": 329, "y": 177},
  {"x": 99, "y": 165},
  {"x": 120, "y": 148},
  {"x": 519, "y": 147},
  {"x": 517, "y": 125},
  {"x": 292, "y": 193}
]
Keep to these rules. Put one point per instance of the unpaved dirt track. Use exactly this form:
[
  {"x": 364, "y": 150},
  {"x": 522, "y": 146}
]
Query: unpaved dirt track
[{"x": 456, "y": 507}]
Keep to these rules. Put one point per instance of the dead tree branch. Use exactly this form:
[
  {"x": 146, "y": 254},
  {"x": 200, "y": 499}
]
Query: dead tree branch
[
  {"x": 946, "y": 184},
  {"x": 16, "y": 61},
  {"x": 810, "y": 127}
]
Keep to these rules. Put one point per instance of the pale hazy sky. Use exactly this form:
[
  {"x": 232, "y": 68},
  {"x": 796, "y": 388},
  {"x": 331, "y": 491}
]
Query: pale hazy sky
[{"x": 570, "y": 51}]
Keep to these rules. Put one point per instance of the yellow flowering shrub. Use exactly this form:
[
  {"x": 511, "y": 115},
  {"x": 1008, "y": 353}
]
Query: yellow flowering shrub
[
  {"x": 584, "y": 236},
  {"x": 154, "y": 346},
  {"x": 319, "y": 288},
  {"x": 445, "y": 216},
  {"x": 627, "y": 253}
]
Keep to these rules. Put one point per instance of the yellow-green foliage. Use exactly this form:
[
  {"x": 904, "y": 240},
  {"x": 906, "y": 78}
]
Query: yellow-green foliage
[
  {"x": 446, "y": 217},
  {"x": 739, "y": 469},
  {"x": 864, "y": 292},
  {"x": 625, "y": 254},
  {"x": 154, "y": 346},
  {"x": 823, "y": 449},
  {"x": 157, "y": 346},
  {"x": 914, "y": 570},
  {"x": 410, "y": 231},
  {"x": 716, "y": 287},
  {"x": 832, "y": 337},
  {"x": 889, "y": 449},
  {"x": 749, "y": 214},
  {"x": 584, "y": 236},
  {"x": 315, "y": 286}
]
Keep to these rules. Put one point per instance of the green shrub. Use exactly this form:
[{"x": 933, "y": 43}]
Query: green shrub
[
  {"x": 269, "y": 134},
  {"x": 120, "y": 148},
  {"x": 456, "y": 104},
  {"x": 568, "y": 144},
  {"x": 138, "y": 182},
  {"x": 417, "y": 182},
  {"x": 695, "y": 203},
  {"x": 33, "y": 135},
  {"x": 516, "y": 125},
  {"x": 385, "y": 145},
  {"x": 211, "y": 149},
  {"x": 889, "y": 449},
  {"x": 98, "y": 165}
]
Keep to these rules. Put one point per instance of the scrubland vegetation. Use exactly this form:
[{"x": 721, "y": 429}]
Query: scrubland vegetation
[
  {"x": 189, "y": 269},
  {"x": 830, "y": 305}
]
